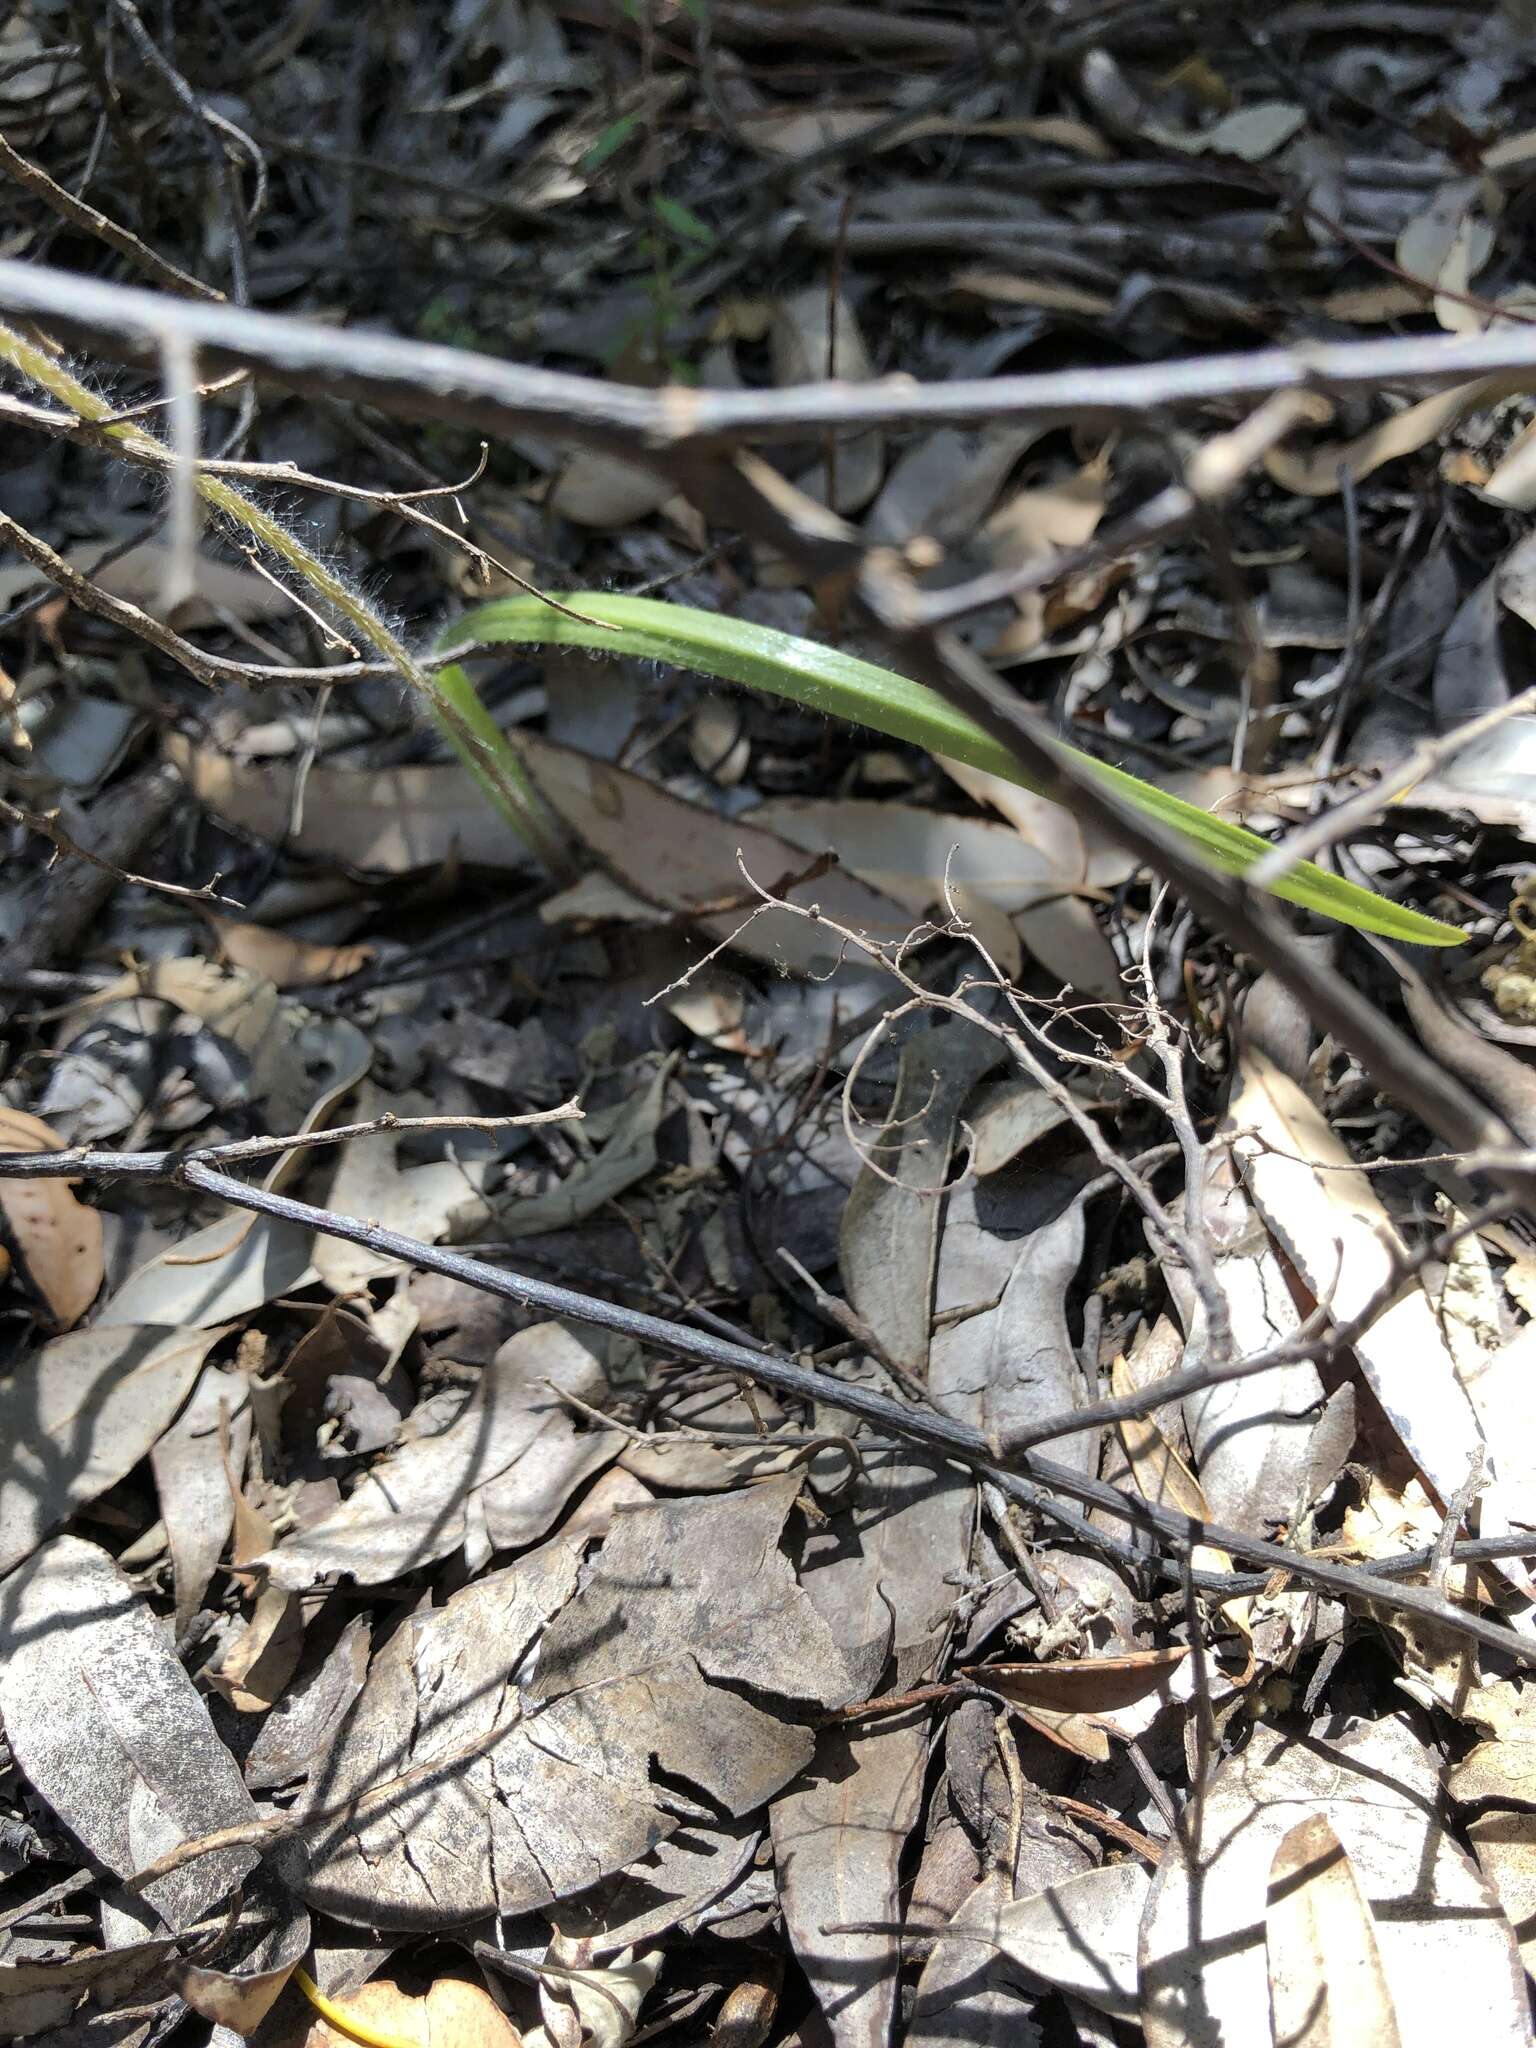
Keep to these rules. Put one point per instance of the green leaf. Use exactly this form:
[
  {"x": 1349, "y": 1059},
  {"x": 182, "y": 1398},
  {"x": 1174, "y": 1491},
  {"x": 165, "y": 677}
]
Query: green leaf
[
  {"x": 610, "y": 142},
  {"x": 842, "y": 686},
  {"x": 682, "y": 221}
]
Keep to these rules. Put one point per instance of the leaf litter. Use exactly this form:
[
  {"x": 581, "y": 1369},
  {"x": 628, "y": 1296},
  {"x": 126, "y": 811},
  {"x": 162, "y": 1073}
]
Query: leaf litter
[{"x": 516, "y": 1678}]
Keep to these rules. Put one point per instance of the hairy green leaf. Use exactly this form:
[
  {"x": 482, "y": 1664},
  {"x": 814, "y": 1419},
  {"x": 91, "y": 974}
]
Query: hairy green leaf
[{"x": 824, "y": 679}]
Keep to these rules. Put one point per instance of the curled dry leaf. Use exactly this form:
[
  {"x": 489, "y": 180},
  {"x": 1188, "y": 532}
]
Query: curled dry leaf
[
  {"x": 55, "y": 1236},
  {"x": 405, "y": 818},
  {"x": 1320, "y": 472},
  {"x": 814, "y": 336},
  {"x": 1079, "y": 1935},
  {"x": 1080, "y": 1705},
  {"x": 193, "y": 1479},
  {"x": 411, "y": 1508}
]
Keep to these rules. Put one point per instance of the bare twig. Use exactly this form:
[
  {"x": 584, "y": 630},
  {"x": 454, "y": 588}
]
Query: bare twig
[
  {"x": 427, "y": 381},
  {"x": 93, "y": 222},
  {"x": 46, "y": 825},
  {"x": 1029, "y": 1479}
]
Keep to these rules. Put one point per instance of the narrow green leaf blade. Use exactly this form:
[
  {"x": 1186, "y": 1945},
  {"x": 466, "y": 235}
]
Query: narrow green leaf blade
[{"x": 841, "y": 685}]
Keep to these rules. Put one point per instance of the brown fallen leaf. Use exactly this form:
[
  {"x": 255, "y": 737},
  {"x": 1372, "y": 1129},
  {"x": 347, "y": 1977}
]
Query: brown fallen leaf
[
  {"x": 56, "y": 1238},
  {"x": 286, "y": 962},
  {"x": 1072, "y": 1703},
  {"x": 450, "y": 2014},
  {"x": 1327, "y": 1987}
]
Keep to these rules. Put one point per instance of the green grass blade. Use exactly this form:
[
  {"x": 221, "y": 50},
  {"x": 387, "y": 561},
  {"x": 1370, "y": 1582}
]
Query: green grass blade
[{"x": 842, "y": 686}]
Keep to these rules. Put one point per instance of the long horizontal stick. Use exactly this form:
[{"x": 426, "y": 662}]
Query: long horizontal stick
[
  {"x": 430, "y": 381},
  {"x": 1022, "y": 1477}
]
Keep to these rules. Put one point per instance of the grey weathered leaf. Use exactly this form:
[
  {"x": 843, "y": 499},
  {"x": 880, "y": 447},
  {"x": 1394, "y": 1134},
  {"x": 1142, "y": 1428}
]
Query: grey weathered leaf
[
  {"x": 626, "y": 1156},
  {"x": 838, "y": 1839},
  {"x": 1332, "y": 1225},
  {"x": 683, "y": 1875},
  {"x": 707, "y": 1579},
  {"x": 706, "y": 1734},
  {"x": 193, "y": 1481},
  {"x": 890, "y": 1231},
  {"x": 109, "y": 1730},
  {"x": 877, "y": 1574},
  {"x": 1080, "y": 1935},
  {"x": 299, "y": 1731},
  {"x": 503, "y": 1830},
  {"x": 1252, "y": 1438},
  {"x": 411, "y": 1508},
  {"x": 418, "y": 1201},
  {"x": 79, "y": 1415},
  {"x": 1016, "y": 1366},
  {"x": 521, "y": 1505},
  {"x": 968, "y": 1996},
  {"x": 38, "y": 1996},
  {"x": 216, "y": 1275},
  {"x": 245, "y": 1978}
]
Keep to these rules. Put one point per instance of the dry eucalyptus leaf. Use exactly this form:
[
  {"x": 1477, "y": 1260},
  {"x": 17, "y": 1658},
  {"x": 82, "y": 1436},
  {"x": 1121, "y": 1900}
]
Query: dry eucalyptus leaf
[
  {"x": 1038, "y": 522},
  {"x": 286, "y": 962},
  {"x": 1451, "y": 1966},
  {"x": 1079, "y": 1935},
  {"x": 253, "y": 1966},
  {"x": 599, "y": 490},
  {"x": 38, "y": 1997},
  {"x": 589, "y": 2002},
  {"x": 56, "y": 1237},
  {"x": 814, "y": 336},
  {"x": 411, "y": 1507},
  {"x": 1505, "y": 1847},
  {"x": 450, "y": 2014},
  {"x": 1005, "y": 1118},
  {"x": 80, "y": 1415},
  {"x": 838, "y": 1840},
  {"x": 626, "y": 1156},
  {"x": 1317, "y": 474},
  {"x": 1327, "y": 1987},
  {"x": 682, "y": 1876},
  {"x": 1251, "y": 133},
  {"x": 509, "y": 1826},
  {"x": 418, "y": 1201},
  {"x": 1080, "y": 1703},
  {"x": 109, "y": 1730},
  {"x": 405, "y": 818},
  {"x": 216, "y": 1275},
  {"x": 889, "y": 1238},
  {"x": 876, "y": 1576},
  {"x": 1252, "y": 1438},
  {"x": 193, "y": 1481},
  {"x": 392, "y": 820},
  {"x": 296, "y": 1736},
  {"x": 1328, "y": 1219},
  {"x": 139, "y": 577}
]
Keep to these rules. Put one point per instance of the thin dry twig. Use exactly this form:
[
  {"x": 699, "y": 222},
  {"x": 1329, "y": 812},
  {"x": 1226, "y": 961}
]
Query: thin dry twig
[
  {"x": 1033, "y": 1481},
  {"x": 46, "y": 825}
]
